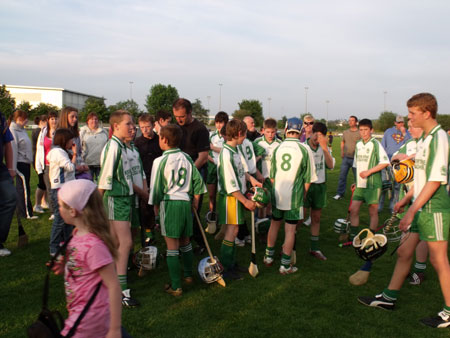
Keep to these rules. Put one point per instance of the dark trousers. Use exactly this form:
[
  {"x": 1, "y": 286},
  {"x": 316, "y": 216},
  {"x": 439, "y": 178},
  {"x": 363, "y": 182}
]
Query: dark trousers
[
  {"x": 8, "y": 201},
  {"x": 23, "y": 190},
  {"x": 60, "y": 230},
  {"x": 147, "y": 219}
]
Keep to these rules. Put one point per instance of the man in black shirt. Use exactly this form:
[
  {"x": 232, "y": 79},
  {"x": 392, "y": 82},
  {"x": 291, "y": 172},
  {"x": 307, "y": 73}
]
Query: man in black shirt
[
  {"x": 195, "y": 143},
  {"x": 149, "y": 150},
  {"x": 252, "y": 133}
]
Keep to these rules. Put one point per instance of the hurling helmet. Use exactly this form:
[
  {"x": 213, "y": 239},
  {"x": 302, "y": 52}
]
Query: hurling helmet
[
  {"x": 391, "y": 229},
  {"x": 294, "y": 124},
  {"x": 370, "y": 246},
  {"x": 259, "y": 195},
  {"x": 146, "y": 258},
  {"x": 341, "y": 226},
  {"x": 211, "y": 220},
  {"x": 403, "y": 171},
  {"x": 208, "y": 271},
  {"x": 262, "y": 225}
]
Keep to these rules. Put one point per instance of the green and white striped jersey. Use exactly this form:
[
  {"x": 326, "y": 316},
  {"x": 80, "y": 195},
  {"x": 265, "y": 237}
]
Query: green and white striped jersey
[
  {"x": 174, "y": 177},
  {"x": 292, "y": 166},
  {"x": 432, "y": 166},
  {"x": 367, "y": 156},
  {"x": 409, "y": 148},
  {"x": 137, "y": 169},
  {"x": 249, "y": 151},
  {"x": 266, "y": 159},
  {"x": 319, "y": 163},
  {"x": 115, "y": 174},
  {"x": 230, "y": 171},
  {"x": 217, "y": 141}
]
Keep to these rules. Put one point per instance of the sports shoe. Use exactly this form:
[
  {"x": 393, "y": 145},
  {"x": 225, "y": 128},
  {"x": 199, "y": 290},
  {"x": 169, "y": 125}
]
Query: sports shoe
[
  {"x": 170, "y": 291},
  {"x": 307, "y": 222},
  {"x": 377, "y": 301},
  {"x": 38, "y": 209},
  {"x": 233, "y": 275},
  {"x": 268, "y": 261},
  {"x": 416, "y": 278},
  {"x": 288, "y": 271},
  {"x": 4, "y": 252},
  {"x": 248, "y": 239},
  {"x": 442, "y": 320},
  {"x": 188, "y": 280},
  {"x": 127, "y": 301},
  {"x": 51, "y": 218},
  {"x": 239, "y": 242},
  {"x": 45, "y": 206},
  {"x": 337, "y": 197},
  {"x": 32, "y": 217},
  {"x": 318, "y": 254},
  {"x": 360, "y": 277}
]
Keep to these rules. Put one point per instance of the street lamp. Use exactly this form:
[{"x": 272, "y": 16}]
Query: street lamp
[
  {"x": 131, "y": 90},
  {"x": 269, "y": 99},
  {"x": 385, "y": 94},
  {"x": 327, "y": 102},
  {"x": 306, "y": 100},
  {"x": 220, "y": 96}
]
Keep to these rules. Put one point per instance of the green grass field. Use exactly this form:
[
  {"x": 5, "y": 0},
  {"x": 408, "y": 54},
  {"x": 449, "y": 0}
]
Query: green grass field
[{"x": 317, "y": 301}]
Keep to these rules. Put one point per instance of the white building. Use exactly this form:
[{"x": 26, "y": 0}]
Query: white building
[{"x": 59, "y": 97}]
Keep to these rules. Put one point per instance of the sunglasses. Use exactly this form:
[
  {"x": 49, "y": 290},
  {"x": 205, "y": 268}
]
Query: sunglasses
[{"x": 308, "y": 123}]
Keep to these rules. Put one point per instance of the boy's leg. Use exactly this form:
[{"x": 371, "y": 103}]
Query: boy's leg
[
  {"x": 173, "y": 264},
  {"x": 315, "y": 232},
  {"x": 439, "y": 260},
  {"x": 289, "y": 239},
  {"x": 271, "y": 240},
  {"x": 227, "y": 248},
  {"x": 354, "y": 218},
  {"x": 418, "y": 271},
  {"x": 122, "y": 233},
  {"x": 187, "y": 256},
  {"x": 373, "y": 213},
  {"x": 212, "y": 196}
]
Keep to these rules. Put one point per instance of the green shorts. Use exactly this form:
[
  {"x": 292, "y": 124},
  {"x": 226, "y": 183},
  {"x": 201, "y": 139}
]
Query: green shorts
[
  {"x": 290, "y": 216},
  {"x": 211, "y": 176},
  {"x": 267, "y": 184},
  {"x": 231, "y": 211},
  {"x": 432, "y": 226},
  {"x": 316, "y": 198},
  {"x": 176, "y": 219},
  {"x": 370, "y": 196},
  {"x": 119, "y": 208}
]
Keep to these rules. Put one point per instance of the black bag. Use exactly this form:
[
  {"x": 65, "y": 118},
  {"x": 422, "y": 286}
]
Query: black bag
[{"x": 50, "y": 323}]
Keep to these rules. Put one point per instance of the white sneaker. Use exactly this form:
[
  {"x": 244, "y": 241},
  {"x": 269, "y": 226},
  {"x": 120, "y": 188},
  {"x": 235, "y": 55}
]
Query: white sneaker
[
  {"x": 32, "y": 217},
  {"x": 51, "y": 218},
  {"x": 307, "y": 222},
  {"x": 248, "y": 239},
  {"x": 337, "y": 197},
  {"x": 239, "y": 242},
  {"x": 4, "y": 252},
  {"x": 268, "y": 261},
  {"x": 289, "y": 271},
  {"x": 38, "y": 209}
]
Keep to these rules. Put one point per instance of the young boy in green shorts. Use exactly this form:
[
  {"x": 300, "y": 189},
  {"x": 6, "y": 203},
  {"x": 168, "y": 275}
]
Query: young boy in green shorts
[
  {"x": 428, "y": 217},
  {"x": 232, "y": 186},
  {"x": 292, "y": 172},
  {"x": 116, "y": 185},
  {"x": 316, "y": 198},
  {"x": 176, "y": 186},
  {"x": 370, "y": 159}
]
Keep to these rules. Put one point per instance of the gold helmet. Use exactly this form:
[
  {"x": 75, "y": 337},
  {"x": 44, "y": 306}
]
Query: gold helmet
[{"x": 403, "y": 171}]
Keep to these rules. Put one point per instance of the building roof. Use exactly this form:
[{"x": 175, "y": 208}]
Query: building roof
[{"x": 54, "y": 89}]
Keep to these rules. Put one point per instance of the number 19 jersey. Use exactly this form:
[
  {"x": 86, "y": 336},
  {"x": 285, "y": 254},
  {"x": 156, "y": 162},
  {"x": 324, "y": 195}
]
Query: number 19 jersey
[{"x": 292, "y": 167}]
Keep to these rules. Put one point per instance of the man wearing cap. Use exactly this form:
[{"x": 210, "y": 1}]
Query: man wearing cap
[{"x": 393, "y": 139}]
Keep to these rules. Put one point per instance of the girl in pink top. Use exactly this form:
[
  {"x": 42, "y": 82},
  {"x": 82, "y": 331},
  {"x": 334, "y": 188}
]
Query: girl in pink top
[{"x": 89, "y": 259}]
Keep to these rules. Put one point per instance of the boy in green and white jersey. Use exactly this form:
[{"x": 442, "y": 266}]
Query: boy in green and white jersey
[
  {"x": 291, "y": 174},
  {"x": 175, "y": 180},
  {"x": 116, "y": 185},
  {"x": 316, "y": 198},
  {"x": 428, "y": 217}
]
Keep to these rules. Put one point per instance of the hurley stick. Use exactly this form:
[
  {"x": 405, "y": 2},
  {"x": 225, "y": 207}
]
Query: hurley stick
[{"x": 253, "y": 268}]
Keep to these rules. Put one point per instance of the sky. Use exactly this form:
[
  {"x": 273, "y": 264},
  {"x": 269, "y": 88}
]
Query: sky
[{"x": 361, "y": 56}]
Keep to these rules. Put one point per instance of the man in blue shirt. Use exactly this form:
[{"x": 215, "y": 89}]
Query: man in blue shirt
[
  {"x": 7, "y": 189},
  {"x": 393, "y": 139}
]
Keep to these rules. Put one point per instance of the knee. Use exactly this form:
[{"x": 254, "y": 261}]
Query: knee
[{"x": 404, "y": 254}]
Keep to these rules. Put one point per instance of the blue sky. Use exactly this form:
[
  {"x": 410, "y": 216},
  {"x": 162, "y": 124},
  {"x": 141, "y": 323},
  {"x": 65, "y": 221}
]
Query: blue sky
[{"x": 347, "y": 52}]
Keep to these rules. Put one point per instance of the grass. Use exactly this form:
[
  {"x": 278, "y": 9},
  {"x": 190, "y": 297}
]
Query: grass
[{"x": 317, "y": 301}]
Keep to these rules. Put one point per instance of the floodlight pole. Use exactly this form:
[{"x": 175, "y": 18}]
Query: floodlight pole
[
  {"x": 220, "y": 96},
  {"x": 131, "y": 90},
  {"x": 306, "y": 100}
]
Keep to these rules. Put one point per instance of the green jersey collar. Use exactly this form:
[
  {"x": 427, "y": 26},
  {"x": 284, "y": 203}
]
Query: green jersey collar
[
  {"x": 171, "y": 151},
  {"x": 234, "y": 150}
]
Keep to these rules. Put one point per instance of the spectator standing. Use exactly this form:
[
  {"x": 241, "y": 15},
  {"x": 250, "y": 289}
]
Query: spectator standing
[
  {"x": 41, "y": 198},
  {"x": 162, "y": 119},
  {"x": 308, "y": 122},
  {"x": 348, "y": 143},
  {"x": 252, "y": 133}
]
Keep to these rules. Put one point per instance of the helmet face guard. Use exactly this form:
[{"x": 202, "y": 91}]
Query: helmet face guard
[
  {"x": 262, "y": 226},
  {"x": 208, "y": 271},
  {"x": 391, "y": 229},
  {"x": 368, "y": 246},
  {"x": 341, "y": 226},
  {"x": 403, "y": 171},
  {"x": 146, "y": 258}
]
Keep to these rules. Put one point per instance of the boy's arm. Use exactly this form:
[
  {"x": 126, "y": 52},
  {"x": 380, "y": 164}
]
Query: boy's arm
[
  {"x": 250, "y": 205},
  {"x": 108, "y": 160},
  {"x": 326, "y": 153},
  {"x": 215, "y": 149},
  {"x": 377, "y": 168},
  {"x": 156, "y": 184},
  {"x": 253, "y": 181},
  {"x": 109, "y": 278}
]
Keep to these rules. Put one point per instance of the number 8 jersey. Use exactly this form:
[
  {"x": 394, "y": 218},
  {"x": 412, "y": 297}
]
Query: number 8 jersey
[
  {"x": 174, "y": 177},
  {"x": 292, "y": 167}
]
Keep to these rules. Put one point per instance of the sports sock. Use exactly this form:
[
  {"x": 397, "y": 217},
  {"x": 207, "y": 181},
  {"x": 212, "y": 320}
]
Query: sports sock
[
  {"x": 353, "y": 232},
  {"x": 367, "y": 266},
  {"x": 447, "y": 310},
  {"x": 233, "y": 263},
  {"x": 123, "y": 282},
  {"x": 270, "y": 251},
  {"x": 315, "y": 243},
  {"x": 419, "y": 267},
  {"x": 226, "y": 254},
  {"x": 390, "y": 294},
  {"x": 286, "y": 261},
  {"x": 173, "y": 263},
  {"x": 187, "y": 256}
]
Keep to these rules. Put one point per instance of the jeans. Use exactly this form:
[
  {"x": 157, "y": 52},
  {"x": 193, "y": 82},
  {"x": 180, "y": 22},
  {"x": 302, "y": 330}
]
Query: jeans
[
  {"x": 347, "y": 163},
  {"x": 60, "y": 230},
  {"x": 8, "y": 202},
  {"x": 394, "y": 198}
]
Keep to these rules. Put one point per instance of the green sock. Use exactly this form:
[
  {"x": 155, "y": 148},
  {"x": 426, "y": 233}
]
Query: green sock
[
  {"x": 234, "y": 255},
  {"x": 173, "y": 263},
  {"x": 123, "y": 282},
  {"x": 187, "y": 256},
  {"x": 447, "y": 310},
  {"x": 353, "y": 232},
  {"x": 226, "y": 254},
  {"x": 270, "y": 251},
  {"x": 419, "y": 267},
  {"x": 286, "y": 261},
  {"x": 315, "y": 243},
  {"x": 390, "y": 294}
]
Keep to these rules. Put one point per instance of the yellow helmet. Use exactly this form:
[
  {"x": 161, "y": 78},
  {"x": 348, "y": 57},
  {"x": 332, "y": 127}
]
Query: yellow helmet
[{"x": 403, "y": 171}]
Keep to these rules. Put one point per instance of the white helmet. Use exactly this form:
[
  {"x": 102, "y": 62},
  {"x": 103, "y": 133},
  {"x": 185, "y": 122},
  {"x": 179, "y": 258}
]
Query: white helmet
[
  {"x": 146, "y": 258},
  {"x": 341, "y": 226},
  {"x": 210, "y": 272},
  {"x": 211, "y": 219}
]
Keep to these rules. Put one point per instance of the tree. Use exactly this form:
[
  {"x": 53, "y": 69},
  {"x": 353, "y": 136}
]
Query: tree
[
  {"x": 129, "y": 105},
  {"x": 42, "y": 109},
  {"x": 253, "y": 108},
  {"x": 26, "y": 107},
  {"x": 444, "y": 121},
  {"x": 282, "y": 123},
  {"x": 7, "y": 102},
  {"x": 385, "y": 121},
  {"x": 95, "y": 105},
  {"x": 161, "y": 97},
  {"x": 200, "y": 112}
]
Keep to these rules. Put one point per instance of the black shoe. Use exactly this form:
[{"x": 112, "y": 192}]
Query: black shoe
[
  {"x": 442, "y": 320},
  {"x": 378, "y": 301},
  {"x": 199, "y": 250},
  {"x": 233, "y": 275},
  {"x": 127, "y": 301}
]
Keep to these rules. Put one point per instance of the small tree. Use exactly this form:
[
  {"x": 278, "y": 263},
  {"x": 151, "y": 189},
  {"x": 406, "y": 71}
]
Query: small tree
[
  {"x": 42, "y": 109},
  {"x": 444, "y": 121},
  {"x": 94, "y": 105},
  {"x": 282, "y": 123},
  {"x": 200, "y": 112},
  {"x": 161, "y": 97},
  {"x": 26, "y": 107},
  {"x": 241, "y": 113},
  {"x": 385, "y": 121},
  {"x": 129, "y": 105},
  {"x": 7, "y": 102},
  {"x": 254, "y": 108}
]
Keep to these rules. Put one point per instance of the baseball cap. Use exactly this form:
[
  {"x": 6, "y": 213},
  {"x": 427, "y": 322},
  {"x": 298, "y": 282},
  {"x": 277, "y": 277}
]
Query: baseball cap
[
  {"x": 294, "y": 124},
  {"x": 399, "y": 118},
  {"x": 76, "y": 193}
]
